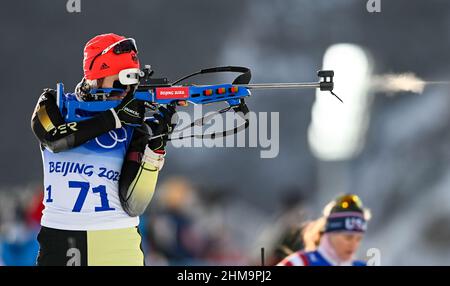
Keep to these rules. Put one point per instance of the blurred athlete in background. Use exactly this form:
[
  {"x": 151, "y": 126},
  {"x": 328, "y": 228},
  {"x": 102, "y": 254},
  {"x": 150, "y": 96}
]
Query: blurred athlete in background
[{"x": 334, "y": 239}]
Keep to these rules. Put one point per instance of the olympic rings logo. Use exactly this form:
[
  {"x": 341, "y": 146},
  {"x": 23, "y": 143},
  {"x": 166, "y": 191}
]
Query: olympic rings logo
[{"x": 112, "y": 139}]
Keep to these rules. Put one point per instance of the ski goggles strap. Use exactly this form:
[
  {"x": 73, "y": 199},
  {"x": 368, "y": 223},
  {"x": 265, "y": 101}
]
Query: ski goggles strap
[{"x": 123, "y": 46}]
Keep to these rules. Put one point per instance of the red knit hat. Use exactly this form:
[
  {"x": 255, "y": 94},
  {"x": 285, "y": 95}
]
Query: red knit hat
[{"x": 109, "y": 63}]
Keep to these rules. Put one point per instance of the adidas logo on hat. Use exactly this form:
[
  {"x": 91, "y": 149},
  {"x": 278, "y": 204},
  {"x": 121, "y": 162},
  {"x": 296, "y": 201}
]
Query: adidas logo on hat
[{"x": 104, "y": 66}]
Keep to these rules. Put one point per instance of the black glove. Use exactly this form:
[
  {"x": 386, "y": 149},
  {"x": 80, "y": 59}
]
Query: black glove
[
  {"x": 164, "y": 125},
  {"x": 130, "y": 110}
]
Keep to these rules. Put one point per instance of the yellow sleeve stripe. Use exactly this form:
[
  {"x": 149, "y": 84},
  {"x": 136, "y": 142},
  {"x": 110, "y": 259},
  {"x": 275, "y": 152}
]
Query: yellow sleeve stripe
[{"x": 44, "y": 119}]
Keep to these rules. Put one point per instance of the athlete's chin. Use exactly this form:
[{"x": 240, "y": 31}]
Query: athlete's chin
[{"x": 347, "y": 255}]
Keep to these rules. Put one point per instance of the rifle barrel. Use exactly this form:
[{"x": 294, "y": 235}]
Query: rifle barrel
[{"x": 293, "y": 85}]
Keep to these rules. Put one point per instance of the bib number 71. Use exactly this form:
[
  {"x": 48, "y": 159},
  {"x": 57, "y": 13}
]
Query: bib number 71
[{"x": 84, "y": 190}]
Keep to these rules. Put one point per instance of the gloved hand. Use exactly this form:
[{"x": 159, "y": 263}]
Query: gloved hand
[
  {"x": 164, "y": 124},
  {"x": 130, "y": 110}
]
